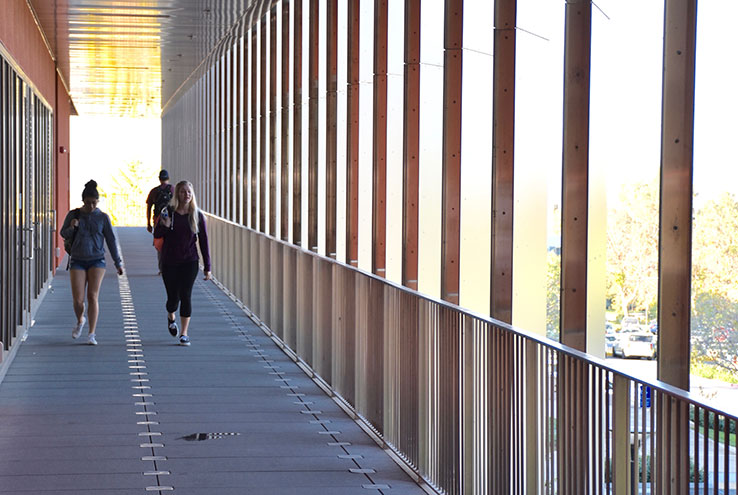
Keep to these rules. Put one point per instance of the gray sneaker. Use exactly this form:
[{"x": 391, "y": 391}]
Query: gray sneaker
[
  {"x": 184, "y": 340},
  {"x": 91, "y": 339},
  {"x": 78, "y": 329}
]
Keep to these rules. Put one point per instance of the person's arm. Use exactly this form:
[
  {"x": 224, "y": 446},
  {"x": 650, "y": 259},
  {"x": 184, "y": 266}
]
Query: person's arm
[
  {"x": 164, "y": 225},
  {"x": 148, "y": 217},
  {"x": 112, "y": 243},
  {"x": 202, "y": 238},
  {"x": 69, "y": 227},
  {"x": 149, "y": 207}
]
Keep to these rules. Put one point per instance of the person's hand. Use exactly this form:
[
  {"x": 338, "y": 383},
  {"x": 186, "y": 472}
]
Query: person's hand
[
  {"x": 165, "y": 219},
  {"x": 207, "y": 276},
  {"x": 120, "y": 270},
  {"x": 149, "y": 228},
  {"x": 75, "y": 222}
]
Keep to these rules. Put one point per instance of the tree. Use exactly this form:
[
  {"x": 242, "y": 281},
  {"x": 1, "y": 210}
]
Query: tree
[
  {"x": 715, "y": 282},
  {"x": 126, "y": 203},
  {"x": 632, "y": 249}
]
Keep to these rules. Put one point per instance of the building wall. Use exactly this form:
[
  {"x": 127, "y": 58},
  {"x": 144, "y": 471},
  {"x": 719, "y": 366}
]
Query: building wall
[
  {"x": 25, "y": 50},
  {"x": 34, "y": 170},
  {"x": 21, "y": 37}
]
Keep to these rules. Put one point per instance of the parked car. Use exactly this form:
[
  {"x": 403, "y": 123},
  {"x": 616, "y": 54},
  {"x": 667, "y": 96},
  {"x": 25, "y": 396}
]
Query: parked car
[
  {"x": 630, "y": 323},
  {"x": 636, "y": 344},
  {"x": 653, "y": 325}
]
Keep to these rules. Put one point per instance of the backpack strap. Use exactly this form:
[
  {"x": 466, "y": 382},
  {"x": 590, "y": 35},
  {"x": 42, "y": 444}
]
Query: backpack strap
[{"x": 77, "y": 212}]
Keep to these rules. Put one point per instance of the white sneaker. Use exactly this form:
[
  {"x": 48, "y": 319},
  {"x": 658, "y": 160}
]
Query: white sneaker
[
  {"x": 78, "y": 329},
  {"x": 91, "y": 339}
]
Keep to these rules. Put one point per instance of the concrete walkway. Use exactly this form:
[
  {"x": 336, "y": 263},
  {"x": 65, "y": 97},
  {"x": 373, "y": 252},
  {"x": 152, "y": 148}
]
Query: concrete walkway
[{"x": 229, "y": 415}]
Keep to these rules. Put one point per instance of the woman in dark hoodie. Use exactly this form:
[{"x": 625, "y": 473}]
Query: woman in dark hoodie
[{"x": 90, "y": 229}]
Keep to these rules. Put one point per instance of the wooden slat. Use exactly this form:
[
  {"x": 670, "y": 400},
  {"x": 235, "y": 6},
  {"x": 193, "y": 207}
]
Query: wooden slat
[
  {"x": 273, "y": 121},
  {"x": 451, "y": 186},
  {"x": 675, "y": 226},
  {"x": 379, "y": 134},
  {"x": 411, "y": 145},
  {"x": 331, "y": 114},
  {"x": 575, "y": 174},
  {"x": 313, "y": 120},
  {"x": 297, "y": 128},
  {"x": 503, "y": 161},
  {"x": 285, "y": 135},
  {"x": 352, "y": 135}
]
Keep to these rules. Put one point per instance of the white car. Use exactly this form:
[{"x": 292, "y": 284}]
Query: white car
[{"x": 637, "y": 344}]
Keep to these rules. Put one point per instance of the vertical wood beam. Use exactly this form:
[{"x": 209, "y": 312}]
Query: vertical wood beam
[
  {"x": 284, "y": 231},
  {"x": 222, "y": 132},
  {"x": 263, "y": 116},
  {"x": 238, "y": 134},
  {"x": 244, "y": 134},
  {"x": 273, "y": 121},
  {"x": 451, "y": 186},
  {"x": 575, "y": 182},
  {"x": 352, "y": 135},
  {"x": 297, "y": 128},
  {"x": 411, "y": 146},
  {"x": 254, "y": 129},
  {"x": 313, "y": 120},
  {"x": 232, "y": 145},
  {"x": 379, "y": 148},
  {"x": 675, "y": 227},
  {"x": 503, "y": 148},
  {"x": 331, "y": 122}
]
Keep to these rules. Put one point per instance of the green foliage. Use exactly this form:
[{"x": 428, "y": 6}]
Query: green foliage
[{"x": 715, "y": 287}]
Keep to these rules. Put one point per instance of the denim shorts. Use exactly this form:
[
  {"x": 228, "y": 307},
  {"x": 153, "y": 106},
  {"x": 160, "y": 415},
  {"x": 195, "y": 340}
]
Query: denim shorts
[{"x": 86, "y": 264}]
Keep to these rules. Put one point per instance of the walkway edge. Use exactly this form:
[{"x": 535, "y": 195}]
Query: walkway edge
[
  {"x": 35, "y": 305},
  {"x": 340, "y": 401}
]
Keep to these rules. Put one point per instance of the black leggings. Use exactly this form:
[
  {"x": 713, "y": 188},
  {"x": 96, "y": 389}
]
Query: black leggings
[{"x": 178, "y": 280}]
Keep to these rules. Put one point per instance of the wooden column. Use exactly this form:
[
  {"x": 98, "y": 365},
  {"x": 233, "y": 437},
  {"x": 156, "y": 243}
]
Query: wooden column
[
  {"x": 379, "y": 147},
  {"x": 254, "y": 128},
  {"x": 451, "y": 187},
  {"x": 411, "y": 146},
  {"x": 273, "y": 121},
  {"x": 313, "y": 120},
  {"x": 503, "y": 147},
  {"x": 675, "y": 226},
  {"x": 352, "y": 136},
  {"x": 284, "y": 142},
  {"x": 263, "y": 117},
  {"x": 244, "y": 134},
  {"x": 331, "y": 114},
  {"x": 575, "y": 180},
  {"x": 238, "y": 132},
  {"x": 297, "y": 128}
]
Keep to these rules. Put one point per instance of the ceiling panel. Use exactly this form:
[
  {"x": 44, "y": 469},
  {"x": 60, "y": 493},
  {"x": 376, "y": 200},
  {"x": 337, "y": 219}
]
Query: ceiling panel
[{"x": 126, "y": 57}]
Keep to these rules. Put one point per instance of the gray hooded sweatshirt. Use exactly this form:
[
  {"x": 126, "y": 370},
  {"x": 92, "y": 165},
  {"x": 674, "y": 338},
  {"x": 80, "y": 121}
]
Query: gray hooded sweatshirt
[{"x": 94, "y": 230}]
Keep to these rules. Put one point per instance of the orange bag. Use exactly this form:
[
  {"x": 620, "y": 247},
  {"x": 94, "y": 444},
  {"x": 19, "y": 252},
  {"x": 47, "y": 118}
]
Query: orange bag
[{"x": 158, "y": 241}]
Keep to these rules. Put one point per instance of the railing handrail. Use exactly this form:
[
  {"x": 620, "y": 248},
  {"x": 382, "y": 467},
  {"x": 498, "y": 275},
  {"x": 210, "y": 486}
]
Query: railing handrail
[{"x": 540, "y": 339}]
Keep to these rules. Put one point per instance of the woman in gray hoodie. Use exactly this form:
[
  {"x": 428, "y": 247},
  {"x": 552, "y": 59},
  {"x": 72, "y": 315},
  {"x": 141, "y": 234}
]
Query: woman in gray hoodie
[{"x": 90, "y": 229}]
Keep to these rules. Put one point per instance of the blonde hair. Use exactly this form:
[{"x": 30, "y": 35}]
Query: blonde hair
[{"x": 193, "y": 210}]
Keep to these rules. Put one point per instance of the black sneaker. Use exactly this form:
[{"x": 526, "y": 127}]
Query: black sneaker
[
  {"x": 184, "y": 340},
  {"x": 173, "y": 328}
]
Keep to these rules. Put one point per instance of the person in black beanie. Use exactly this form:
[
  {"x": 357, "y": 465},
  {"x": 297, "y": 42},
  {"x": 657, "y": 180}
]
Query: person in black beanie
[{"x": 89, "y": 229}]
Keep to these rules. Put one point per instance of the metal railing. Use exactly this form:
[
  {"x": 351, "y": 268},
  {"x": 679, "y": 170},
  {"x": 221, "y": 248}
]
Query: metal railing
[{"x": 473, "y": 405}]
